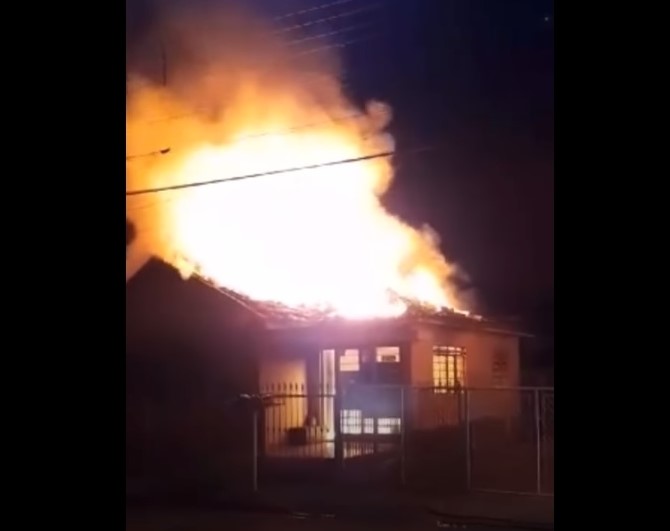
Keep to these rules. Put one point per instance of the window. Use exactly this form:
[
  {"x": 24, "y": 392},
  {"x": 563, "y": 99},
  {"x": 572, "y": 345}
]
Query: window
[
  {"x": 499, "y": 368},
  {"x": 448, "y": 368},
  {"x": 349, "y": 361},
  {"x": 388, "y": 426},
  {"x": 351, "y": 421},
  {"x": 388, "y": 354},
  {"x": 368, "y": 426}
]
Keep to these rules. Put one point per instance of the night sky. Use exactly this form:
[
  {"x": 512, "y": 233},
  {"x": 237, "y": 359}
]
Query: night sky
[{"x": 472, "y": 80}]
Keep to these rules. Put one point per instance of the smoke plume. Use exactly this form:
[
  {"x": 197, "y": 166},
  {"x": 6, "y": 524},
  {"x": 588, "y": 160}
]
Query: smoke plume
[{"x": 231, "y": 97}]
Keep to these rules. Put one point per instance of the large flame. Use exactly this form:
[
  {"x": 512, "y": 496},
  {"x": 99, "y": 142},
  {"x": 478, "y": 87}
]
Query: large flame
[{"x": 317, "y": 237}]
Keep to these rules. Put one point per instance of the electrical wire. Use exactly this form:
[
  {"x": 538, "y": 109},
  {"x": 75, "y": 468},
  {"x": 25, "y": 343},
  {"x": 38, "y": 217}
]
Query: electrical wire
[
  {"x": 163, "y": 151},
  {"x": 224, "y": 180},
  {"x": 312, "y": 9},
  {"x": 327, "y": 5},
  {"x": 257, "y": 175},
  {"x": 310, "y": 23}
]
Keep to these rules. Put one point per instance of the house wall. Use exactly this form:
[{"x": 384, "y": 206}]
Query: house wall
[
  {"x": 492, "y": 361},
  {"x": 291, "y": 357},
  {"x": 344, "y": 335},
  {"x": 284, "y": 372},
  {"x": 284, "y": 375},
  {"x": 307, "y": 344}
]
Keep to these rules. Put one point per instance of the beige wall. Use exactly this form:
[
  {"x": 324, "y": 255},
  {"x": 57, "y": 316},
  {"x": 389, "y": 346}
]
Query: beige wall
[
  {"x": 284, "y": 363},
  {"x": 484, "y": 352},
  {"x": 482, "y": 349},
  {"x": 284, "y": 376}
]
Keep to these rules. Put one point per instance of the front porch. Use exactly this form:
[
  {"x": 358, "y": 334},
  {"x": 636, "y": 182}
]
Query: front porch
[{"x": 328, "y": 405}]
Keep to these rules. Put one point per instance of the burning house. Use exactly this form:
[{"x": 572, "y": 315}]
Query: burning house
[
  {"x": 275, "y": 194},
  {"x": 340, "y": 388},
  {"x": 374, "y": 374}
]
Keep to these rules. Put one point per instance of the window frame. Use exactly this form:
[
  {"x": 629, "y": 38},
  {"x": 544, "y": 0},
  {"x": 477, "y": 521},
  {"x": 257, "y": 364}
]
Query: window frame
[{"x": 448, "y": 368}]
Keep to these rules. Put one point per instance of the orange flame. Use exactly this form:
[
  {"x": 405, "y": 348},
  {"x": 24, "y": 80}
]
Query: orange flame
[{"x": 316, "y": 237}]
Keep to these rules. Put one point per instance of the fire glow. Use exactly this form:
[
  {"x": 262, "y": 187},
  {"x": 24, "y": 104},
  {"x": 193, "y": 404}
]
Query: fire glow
[{"x": 317, "y": 238}]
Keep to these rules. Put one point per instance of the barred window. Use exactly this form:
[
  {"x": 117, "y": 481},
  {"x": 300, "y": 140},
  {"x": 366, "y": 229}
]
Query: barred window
[
  {"x": 352, "y": 421},
  {"x": 388, "y": 426},
  {"x": 448, "y": 368},
  {"x": 499, "y": 368}
]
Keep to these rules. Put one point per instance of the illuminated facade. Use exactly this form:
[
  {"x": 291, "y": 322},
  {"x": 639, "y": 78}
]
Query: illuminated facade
[{"x": 339, "y": 386}]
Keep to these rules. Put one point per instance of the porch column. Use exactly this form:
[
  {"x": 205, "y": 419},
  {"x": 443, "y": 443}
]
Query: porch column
[{"x": 337, "y": 406}]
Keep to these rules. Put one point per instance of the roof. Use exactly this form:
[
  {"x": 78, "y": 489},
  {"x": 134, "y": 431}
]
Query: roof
[{"x": 276, "y": 315}]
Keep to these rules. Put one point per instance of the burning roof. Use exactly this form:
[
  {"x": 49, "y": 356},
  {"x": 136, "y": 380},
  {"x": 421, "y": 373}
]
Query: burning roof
[
  {"x": 310, "y": 228},
  {"x": 279, "y": 315}
]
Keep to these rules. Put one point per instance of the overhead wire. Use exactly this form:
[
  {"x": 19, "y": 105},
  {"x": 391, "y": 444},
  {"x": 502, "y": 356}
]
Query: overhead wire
[
  {"x": 311, "y": 9},
  {"x": 279, "y": 171},
  {"x": 145, "y": 191},
  {"x": 337, "y": 16},
  {"x": 155, "y": 227},
  {"x": 327, "y": 5},
  {"x": 143, "y": 83},
  {"x": 334, "y": 46},
  {"x": 264, "y": 134}
]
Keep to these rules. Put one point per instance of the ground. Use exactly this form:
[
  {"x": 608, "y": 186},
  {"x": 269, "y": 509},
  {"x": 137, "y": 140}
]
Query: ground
[
  {"x": 256, "y": 522},
  {"x": 353, "y": 512},
  {"x": 263, "y": 522}
]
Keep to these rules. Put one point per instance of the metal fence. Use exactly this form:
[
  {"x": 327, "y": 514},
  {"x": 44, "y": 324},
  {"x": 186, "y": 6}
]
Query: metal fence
[
  {"x": 427, "y": 437},
  {"x": 510, "y": 436}
]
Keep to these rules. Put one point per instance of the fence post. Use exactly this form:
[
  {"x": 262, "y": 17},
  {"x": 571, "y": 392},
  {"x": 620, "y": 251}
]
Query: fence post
[
  {"x": 339, "y": 443},
  {"x": 402, "y": 436},
  {"x": 468, "y": 445},
  {"x": 538, "y": 440},
  {"x": 254, "y": 445},
  {"x": 338, "y": 401}
]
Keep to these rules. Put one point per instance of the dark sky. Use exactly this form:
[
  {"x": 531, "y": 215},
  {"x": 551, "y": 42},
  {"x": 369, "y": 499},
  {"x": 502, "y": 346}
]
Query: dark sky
[{"x": 473, "y": 79}]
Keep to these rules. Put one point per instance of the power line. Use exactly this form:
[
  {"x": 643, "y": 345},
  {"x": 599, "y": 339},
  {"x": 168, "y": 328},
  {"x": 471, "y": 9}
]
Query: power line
[
  {"x": 312, "y": 9},
  {"x": 327, "y": 19},
  {"x": 157, "y": 152},
  {"x": 264, "y": 134},
  {"x": 339, "y": 31},
  {"x": 137, "y": 84},
  {"x": 297, "y": 53},
  {"x": 289, "y": 130},
  {"x": 204, "y": 111},
  {"x": 333, "y": 46},
  {"x": 253, "y": 136},
  {"x": 257, "y": 175},
  {"x": 134, "y": 84}
]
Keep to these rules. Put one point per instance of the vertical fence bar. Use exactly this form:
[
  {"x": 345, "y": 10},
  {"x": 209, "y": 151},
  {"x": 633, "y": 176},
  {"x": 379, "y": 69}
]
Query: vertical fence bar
[
  {"x": 538, "y": 439},
  {"x": 468, "y": 442},
  {"x": 254, "y": 445},
  {"x": 339, "y": 443},
  {"x": 403, "y": 427},
  {"x": 338, "y": 400}
]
